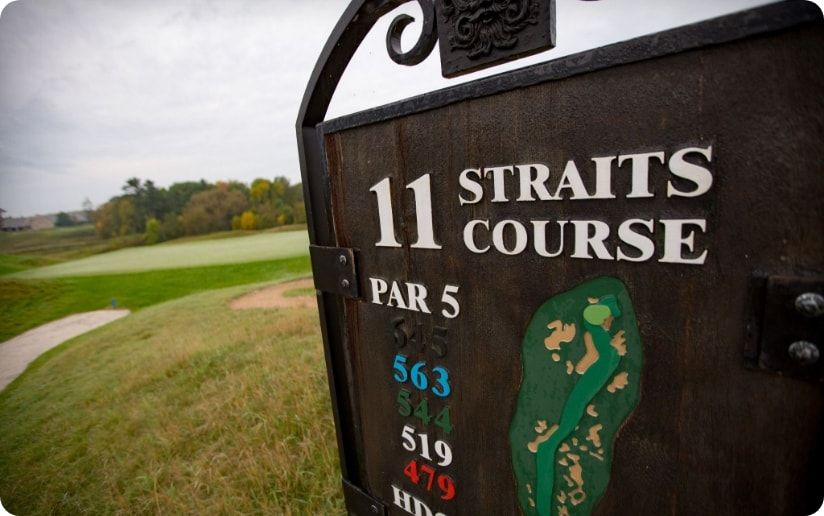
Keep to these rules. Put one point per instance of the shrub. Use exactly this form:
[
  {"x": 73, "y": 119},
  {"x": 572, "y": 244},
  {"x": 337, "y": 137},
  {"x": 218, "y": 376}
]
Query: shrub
[
  {"x": 152, "y": 231},
  {"x": 248, "y": 220}
]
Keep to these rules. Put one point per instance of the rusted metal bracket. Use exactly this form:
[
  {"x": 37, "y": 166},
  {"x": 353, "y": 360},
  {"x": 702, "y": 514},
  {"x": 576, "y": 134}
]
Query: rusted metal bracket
[
  {"x": 787, "y": 330},
  {"x": 359, "y": 503},
  {"x": 334, "y": 270}
]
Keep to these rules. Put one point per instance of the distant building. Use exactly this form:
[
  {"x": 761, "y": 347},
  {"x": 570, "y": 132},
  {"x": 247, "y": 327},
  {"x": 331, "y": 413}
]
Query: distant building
[
  {"x": 16, "y": 224},
  {"x": 39, "y": 221},
  {"x": 43, "y": 221}
]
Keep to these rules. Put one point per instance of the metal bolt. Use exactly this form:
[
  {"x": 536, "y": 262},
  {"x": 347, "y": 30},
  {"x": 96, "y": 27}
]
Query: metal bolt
[
  {"x": 374, "y": 508},
  {"x": 344, "y": 283},
  {"x": 342, "y": 259},
  {"x": 810, "y": 304},
  {"x": 804, "y": 352}
]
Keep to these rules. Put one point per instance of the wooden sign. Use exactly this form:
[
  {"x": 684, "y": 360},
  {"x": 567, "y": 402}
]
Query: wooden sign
[{"x": 590, "y": 286}]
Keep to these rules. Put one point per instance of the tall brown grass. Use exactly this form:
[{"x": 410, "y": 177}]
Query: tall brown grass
[{"x": 186, "y": 407}]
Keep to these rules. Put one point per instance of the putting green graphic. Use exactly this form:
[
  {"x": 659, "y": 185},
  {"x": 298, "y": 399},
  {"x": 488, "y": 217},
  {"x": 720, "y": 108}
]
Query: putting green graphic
[{"x": 581, "y": 369}]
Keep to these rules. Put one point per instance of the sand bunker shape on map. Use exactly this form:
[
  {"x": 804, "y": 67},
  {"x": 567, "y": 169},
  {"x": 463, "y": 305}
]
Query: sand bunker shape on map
[{"x": 581, "y": 359}]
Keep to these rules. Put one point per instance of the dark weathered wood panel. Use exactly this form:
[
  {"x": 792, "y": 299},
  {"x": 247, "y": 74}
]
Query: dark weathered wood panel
[{"x": 709, "y": 436}]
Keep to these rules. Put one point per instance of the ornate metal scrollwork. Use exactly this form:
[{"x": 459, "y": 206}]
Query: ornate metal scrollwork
[
  {"x": 475, "y": 34},
  {"x": 426, "y": 41}
]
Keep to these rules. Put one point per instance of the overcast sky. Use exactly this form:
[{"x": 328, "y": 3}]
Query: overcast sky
[{"x": 93, "y": 92}]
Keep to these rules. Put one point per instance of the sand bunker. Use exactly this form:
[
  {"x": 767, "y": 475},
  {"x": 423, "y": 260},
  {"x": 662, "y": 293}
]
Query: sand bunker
[{"x": 281, "y": 295}]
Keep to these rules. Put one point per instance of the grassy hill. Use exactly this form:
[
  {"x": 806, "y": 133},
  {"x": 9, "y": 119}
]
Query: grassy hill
[
  {"x": 58, "y": 244},
  {"x": 185, "y": 407}
]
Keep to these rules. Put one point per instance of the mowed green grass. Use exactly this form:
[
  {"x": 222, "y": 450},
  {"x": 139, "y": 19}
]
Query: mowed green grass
[
  {"x": 175, "y": 255},
  {"x": 30, "y": 303},
  {"x": 186, "y": 407},
  {"x": 139, "y": 277}
]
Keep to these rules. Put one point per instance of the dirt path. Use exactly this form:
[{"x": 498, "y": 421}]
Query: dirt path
[
  {"x": 18, "y": 352},
  {"x": 273, "y": 297}
]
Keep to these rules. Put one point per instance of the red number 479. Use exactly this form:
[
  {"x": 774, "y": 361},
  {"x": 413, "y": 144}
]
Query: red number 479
[{"x": 416, "y": 474}]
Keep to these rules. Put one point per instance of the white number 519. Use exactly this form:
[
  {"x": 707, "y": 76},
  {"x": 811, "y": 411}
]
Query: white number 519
[{"x": 442, "y": 449}]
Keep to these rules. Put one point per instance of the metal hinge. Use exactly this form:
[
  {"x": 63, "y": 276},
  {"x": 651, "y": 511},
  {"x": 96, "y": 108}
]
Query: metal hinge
[
  {"x": 334, "y": 270},
  {"x": 359, "y": 503},
  {"x": 786, "y": 333}
]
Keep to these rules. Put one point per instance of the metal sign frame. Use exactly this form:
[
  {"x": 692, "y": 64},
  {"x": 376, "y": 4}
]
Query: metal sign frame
[{"x": 334, "y": 266}]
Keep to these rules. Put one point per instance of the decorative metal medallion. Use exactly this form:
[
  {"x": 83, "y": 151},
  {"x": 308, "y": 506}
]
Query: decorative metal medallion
[
  {"x": 476, "y": 34},
  {"x": 581, "y": 370}
]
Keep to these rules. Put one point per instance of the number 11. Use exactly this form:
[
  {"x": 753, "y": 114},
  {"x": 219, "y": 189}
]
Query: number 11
[{"x": 423, "y": 213}]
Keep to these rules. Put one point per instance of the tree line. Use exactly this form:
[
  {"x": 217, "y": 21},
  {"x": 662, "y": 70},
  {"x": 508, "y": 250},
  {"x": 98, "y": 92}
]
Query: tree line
[{"x": 198, "y": 207}]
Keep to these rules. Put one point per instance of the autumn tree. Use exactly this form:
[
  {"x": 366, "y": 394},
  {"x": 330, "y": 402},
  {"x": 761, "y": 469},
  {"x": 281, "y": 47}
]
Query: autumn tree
[
  {"x": 213, "y": 210},
  {"x": 179, "y": 194},
  {"x": 259, "y": 191},
  {"x": 193, "y": 207},
  {"x": 171, "y": 226},
  {"x": 106, "y": 220},
  {"x": 248, "y": 220},
  {"x": 130, "y": 221}
]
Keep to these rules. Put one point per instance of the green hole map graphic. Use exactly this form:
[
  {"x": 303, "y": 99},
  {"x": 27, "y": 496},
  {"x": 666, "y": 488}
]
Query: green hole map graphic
[{"x": 582, "y": 361}]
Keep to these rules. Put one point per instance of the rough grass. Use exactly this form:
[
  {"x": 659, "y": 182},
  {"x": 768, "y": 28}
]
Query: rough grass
[
  {"x": 171, "y": 255},
  {"x": 61, "y": 244},
  {"x": 182, "y": 408},
  {"x": 15, "y": 263},
  {"x": 218, "y": 235},
  {"x": 29, "y": 303},
  {"x": 299, "y": 292}
]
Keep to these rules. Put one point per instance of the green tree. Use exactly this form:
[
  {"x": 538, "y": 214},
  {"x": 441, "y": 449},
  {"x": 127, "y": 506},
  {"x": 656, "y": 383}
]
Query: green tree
[
  {"x": 293, "y": 197},
  {"x": 279, "y": 187},
  {"x": 171, "y": 227},
  {"x": 293, "y": 194},
  {"x": 152, "y": 235},
  {"x": 267, "y": 216},
  {"x": 133, "y": 187},
  {"x": 300, "y": 213},
  {"x": 133, "y": 207},
  {"x": 63, "y": 220},
  {"x": 154, "y": 202},
  {"x": 286, "y": 216}
]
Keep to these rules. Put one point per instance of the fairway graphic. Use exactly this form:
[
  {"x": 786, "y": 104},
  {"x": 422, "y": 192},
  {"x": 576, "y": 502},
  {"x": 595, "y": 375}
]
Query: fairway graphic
[{"x": 581, "y": 368}]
